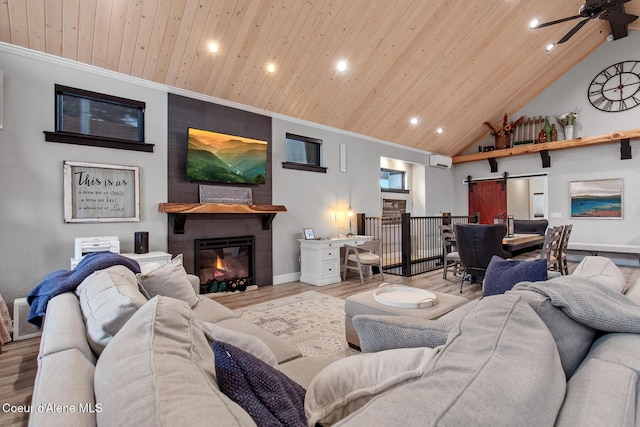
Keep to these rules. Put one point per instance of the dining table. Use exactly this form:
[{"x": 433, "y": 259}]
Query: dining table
[{"x": 520, "y": 242}]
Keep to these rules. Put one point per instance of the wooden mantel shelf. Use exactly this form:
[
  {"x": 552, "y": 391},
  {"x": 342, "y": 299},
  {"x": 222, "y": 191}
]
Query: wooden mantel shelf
[
  {"x": 183, "y": 209},
  {"x": 543, "y": 149}
]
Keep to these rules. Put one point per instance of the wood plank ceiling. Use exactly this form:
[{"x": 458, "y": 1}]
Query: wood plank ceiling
[{"x": 451, "y": 63}]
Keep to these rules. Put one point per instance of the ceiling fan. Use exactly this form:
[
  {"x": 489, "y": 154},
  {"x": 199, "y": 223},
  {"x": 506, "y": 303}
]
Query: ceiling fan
[{"x": 609, "y": 10}]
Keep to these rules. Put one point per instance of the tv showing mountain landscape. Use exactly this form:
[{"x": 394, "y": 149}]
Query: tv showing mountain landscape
[{"x": 218, "y": 157}]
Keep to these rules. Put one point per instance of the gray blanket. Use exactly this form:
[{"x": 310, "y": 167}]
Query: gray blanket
[{"x": 587, "y": 301}]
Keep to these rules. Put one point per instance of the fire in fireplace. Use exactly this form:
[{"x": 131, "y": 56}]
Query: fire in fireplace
[{"x": 224, "y": 264}]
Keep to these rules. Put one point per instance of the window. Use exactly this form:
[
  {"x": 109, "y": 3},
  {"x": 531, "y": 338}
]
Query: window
[
  {"x": 90, "y": 118},
  {"x": 393, "y": 181},
  {"x": 303, "y": 153}
]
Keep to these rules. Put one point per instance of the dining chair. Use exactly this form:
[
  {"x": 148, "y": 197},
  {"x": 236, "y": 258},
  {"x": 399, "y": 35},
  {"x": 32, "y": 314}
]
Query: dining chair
[
  {"x": 551, "y": 247},
  {"x": 450, "y": 255},
  {"x": 477, "y": 244},
  {"x": 365, "y": 255},
  {"x": 562, "y": 250}
]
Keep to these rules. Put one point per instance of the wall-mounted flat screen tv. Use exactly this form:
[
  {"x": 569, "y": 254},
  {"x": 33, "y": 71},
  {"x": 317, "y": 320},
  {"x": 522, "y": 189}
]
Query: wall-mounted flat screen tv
[{"x": 218, "y": 157}]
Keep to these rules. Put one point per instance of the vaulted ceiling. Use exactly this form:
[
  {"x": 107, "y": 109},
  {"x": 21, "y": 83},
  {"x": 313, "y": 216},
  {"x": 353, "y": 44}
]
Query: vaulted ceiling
[{"x": 451, "y": 63}]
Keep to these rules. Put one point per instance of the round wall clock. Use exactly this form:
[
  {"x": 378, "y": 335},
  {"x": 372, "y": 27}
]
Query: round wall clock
[{"x": 616, "y": 88}]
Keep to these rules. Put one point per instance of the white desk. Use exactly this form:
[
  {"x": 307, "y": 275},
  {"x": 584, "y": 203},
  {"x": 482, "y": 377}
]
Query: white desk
[
  {"x": 320, "y": 259},
  {"x": 153, "y": 256}
]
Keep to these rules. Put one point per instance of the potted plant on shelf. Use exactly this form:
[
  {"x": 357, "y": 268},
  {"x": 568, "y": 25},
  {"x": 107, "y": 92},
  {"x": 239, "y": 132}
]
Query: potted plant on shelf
[
  {"x": 501, "y": 132},
  {"x": 566, "y": 123}
]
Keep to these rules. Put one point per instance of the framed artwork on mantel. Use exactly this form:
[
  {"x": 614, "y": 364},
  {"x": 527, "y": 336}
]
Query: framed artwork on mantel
[{"x": 96, "y": 192}]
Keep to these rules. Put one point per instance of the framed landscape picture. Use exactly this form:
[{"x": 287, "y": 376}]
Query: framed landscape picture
[{"x": 598, "y": 198}]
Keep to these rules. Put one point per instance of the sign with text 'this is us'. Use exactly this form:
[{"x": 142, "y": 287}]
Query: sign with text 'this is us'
[{"x": 101, "y": 193}]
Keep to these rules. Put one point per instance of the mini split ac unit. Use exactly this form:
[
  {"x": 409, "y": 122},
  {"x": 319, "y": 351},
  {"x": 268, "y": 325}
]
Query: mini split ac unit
[{"x": 439, "y": 161}]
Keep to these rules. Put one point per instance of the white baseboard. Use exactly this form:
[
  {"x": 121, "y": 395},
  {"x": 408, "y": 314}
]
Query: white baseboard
[{"x": 286, "y": 278}]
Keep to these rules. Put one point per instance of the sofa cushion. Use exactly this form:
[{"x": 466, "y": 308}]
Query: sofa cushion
[
  {"x": 159, "y": 370},
  {"x": 600, "y": 394},
  {"x": 268, "y": 395},
  {"x": 332, "y": 395},
  {"x": 573, "y": 339},
  {"x": 169, "y": 280},
  {"x": 603, "y": 270},
  {"x": 246, "y": 342},
  {"x": 503, "y": 274},
  {"x": 499, "y": 367},
  {"x": 64, "y": 328},
  {"x": 64, "y": 379},
  {"x": 108, "y": 298}
]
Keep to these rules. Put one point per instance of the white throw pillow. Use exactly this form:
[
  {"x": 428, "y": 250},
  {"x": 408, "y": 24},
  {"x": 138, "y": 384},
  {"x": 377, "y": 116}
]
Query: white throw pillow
[
  {"x": 169, "y": 280},
  {"x": 252, "y": 345},
  {"x": 333, "y": 394},
  {"x": 108, "y": 298}
]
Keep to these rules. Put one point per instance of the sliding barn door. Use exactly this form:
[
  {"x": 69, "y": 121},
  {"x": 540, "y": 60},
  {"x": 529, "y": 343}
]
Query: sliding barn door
[{"x": 489, "y": 199}]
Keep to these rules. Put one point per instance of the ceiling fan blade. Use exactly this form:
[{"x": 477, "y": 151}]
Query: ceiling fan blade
[
  {"x": 546, "y": 24},
  {"x": 574, "y": 30}
]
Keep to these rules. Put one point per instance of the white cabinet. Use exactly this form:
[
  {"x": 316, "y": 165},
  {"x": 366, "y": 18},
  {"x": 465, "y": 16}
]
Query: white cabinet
[
  {"x": 153, "y": 256},
  {"x": 320, "y": 259}
]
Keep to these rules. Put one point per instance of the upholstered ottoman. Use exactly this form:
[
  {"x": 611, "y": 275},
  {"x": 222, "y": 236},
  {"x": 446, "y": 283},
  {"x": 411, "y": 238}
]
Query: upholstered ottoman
[{"x": 364, "y": 303}]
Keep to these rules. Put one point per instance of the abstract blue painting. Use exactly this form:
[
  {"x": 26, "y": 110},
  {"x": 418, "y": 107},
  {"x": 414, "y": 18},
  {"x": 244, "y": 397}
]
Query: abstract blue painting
[{"x": 600, "y": 198}]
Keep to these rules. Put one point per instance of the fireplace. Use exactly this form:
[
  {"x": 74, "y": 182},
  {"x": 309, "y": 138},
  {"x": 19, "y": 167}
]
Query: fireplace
[{"x": 225, "y": 264}]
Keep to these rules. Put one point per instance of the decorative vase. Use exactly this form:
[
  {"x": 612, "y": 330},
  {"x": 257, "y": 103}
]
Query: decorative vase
[
  {"x": 502, "y": 141},
  {"x": 547, "y": 129},
  {"x": 568, "y": 132}
]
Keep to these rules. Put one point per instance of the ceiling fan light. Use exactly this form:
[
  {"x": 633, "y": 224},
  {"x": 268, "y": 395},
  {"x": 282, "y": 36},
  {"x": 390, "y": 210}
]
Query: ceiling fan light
[
  {"x": 550, "y": 47},
  {"x": 534, "y": 23}
]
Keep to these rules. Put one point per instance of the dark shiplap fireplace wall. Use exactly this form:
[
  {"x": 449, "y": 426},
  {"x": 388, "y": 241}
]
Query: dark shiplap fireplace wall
[{"x": 185, "y": 113}]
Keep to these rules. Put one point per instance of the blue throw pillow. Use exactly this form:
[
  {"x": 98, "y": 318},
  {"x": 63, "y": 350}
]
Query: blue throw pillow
[
  {"x": 503, "y": 274},
  {"x": 268, "y": 395}
]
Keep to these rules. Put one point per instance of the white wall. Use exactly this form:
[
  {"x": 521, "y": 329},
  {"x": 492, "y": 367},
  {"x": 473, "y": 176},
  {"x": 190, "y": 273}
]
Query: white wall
[
  {"x": 567, "y": 94},
  {"x": 311, "y": 198},
  {"x": 35, "y": 240}
]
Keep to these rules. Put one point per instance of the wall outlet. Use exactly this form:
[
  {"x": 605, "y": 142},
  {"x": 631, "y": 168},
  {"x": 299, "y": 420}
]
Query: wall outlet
[{"x": 555, "y": 215}]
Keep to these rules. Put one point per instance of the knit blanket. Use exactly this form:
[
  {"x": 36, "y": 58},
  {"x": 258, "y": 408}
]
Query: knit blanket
[
  {"x": 589, "y": 302},
  {"x": 61, "y": 281}
]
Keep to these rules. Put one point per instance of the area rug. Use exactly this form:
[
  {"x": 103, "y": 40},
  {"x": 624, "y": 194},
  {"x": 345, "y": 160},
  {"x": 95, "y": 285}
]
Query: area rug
[{"x": 311, "y": 321}]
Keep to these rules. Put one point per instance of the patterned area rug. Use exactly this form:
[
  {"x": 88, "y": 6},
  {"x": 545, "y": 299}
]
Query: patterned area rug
[{"x": 311, "y": 321}]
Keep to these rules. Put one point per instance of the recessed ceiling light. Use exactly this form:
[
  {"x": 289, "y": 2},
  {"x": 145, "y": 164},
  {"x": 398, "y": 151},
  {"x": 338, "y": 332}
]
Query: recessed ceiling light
[
  {"x": 439, "y": 131},
  {"x": 414, "y": 120},
  {"x": 550, "y": 47},
  {"x": 271, "y": 67},
  {"x": 213, "y": 47},
  {"x": 342, "y": 66},
  {"x": 534, "y": 23}
]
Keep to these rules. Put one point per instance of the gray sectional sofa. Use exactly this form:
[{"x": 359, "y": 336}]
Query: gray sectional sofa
[{"x": 521, "y": 358}]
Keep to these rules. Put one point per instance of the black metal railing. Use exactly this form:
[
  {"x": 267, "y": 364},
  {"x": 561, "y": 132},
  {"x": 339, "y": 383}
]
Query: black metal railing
[{"x": 410, "y": 245}]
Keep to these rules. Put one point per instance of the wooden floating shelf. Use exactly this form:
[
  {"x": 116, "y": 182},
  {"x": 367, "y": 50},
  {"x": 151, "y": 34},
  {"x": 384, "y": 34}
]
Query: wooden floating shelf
[
  {"x": 182, "y": 210},
  {"x": 544, "y": 148}
]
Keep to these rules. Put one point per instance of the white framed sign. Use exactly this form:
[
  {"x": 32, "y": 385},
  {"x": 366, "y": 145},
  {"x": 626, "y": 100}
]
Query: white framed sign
[{"x": 96, "y": 192}]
